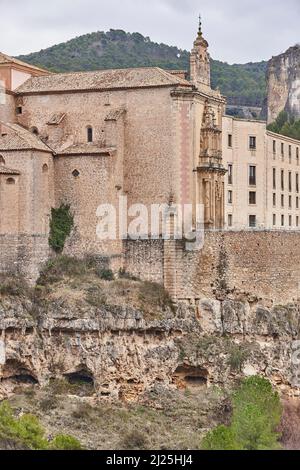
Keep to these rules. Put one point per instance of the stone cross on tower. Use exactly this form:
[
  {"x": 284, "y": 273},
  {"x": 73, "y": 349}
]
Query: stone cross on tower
[{"x": 200, "y": 60}]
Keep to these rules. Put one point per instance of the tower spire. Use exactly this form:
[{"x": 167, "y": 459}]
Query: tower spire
[{"x": 200, "y": 25}]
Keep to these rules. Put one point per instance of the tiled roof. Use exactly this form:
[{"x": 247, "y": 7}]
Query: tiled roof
[
  {"x": 5, "y": 59},
  {"x": 18, "y": 138},
  {"x": 8, "y": 171},
  {"x": 85, "y": 149},
  {"x": 102, "y": 80}
]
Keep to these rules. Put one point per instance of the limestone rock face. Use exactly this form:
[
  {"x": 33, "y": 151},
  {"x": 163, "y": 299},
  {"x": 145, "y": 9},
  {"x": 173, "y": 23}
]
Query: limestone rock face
[
  {"x": 123, "y": 354},
  {"x": 283, "y": 81}
]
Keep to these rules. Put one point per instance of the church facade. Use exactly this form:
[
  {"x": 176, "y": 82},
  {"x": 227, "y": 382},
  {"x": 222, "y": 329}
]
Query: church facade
[
  {"x": 150, "y": 135},
  {"x": 85, "y": 139}
]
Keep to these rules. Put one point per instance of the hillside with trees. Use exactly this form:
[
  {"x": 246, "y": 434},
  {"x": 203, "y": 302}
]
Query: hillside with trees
[
  {"x": 286, "y": 125},
  {"x": 242, "y": 84}
]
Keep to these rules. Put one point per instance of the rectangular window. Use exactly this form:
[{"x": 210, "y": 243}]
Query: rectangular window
[
  {"x": 297, "y": 182},
  {"x": 252, "y": 221},
  {"x": 282, "y": 180},
  {"x": 290, "y": 152},
  {"x": 230, "y": 178},
  {"x": 274, "y": 146},
  {"x": 282, "y": 149},
  {"x": 252, "y": 143},
  {"x": 297, "y": 221},
  {"x": 252, "y": 175},
  {"x": 282, "y": 221},
  {"x": 229, "y": 197},
  {"x": 290, "y": 202},
  {"x": 297, "y": 203},
  {"x": 230, "y": 140},
  {"x": 229, "y": 220},
  {"x": 274, "y": 199},
  {"x": 290, "y": 181},
  {"x": 274, "y": 220},
  {"x": 282, "y": 200},
  {"x": 19, "y": 110},
  {"x": 274, "y": 178},
  {"x": 252, "y": 197},
  {"x": 297, "y": 156},
  {"x": 290, "y": 220}
]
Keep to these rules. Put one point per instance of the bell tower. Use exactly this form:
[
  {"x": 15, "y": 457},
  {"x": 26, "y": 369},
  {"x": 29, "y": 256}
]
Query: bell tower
[{"x": 200, "y": 60}]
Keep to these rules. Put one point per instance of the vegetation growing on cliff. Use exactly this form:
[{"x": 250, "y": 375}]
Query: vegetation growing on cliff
[
  {"x": 256, "y": 416},
  {"x": 242, "y": 84},
  {"x": 61, "y": 224},
  {"x": 286, "y": 125},
  {"x": 26, "y": 432}
]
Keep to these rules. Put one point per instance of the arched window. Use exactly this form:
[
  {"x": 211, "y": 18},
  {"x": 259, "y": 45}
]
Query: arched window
[
  {"x": 75, "y": 173},
  {"x": 2, "y": 161},
  {"x": 10, "y": 181},
  {"x": 89, "y": 134},
  {"x": 45, "y": 168}
]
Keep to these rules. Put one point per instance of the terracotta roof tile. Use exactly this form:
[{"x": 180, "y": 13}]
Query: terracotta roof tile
[
  {"x": 85, "y": 149},
  {"x": 18, "y": 138},
  {"x": 102, "y": 80}
]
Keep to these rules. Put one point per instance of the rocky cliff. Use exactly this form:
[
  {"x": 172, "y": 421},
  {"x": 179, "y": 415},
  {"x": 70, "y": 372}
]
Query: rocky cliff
[
  {"x": 283, "y": 84},
  {"x": 113, "y": 337}
]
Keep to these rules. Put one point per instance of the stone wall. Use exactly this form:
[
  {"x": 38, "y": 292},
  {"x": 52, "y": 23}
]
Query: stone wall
[
  {"x": 247, "y": 265},
  {"x": 23, "y": 255}
]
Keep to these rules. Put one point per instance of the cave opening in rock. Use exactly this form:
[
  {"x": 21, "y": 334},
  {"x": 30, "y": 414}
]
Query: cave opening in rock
[
  {"x": 190, "y": 376},
  {"x": 15, "y": 372},
  {"x": 81, "y": 377}
]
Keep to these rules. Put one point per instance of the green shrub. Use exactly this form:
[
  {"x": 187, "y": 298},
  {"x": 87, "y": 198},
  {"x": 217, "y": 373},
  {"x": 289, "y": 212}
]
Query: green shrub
[
  {"x": 106, "y": 274},
  {"x": 256, "y": 416},
  {"x": 65, "y": 442},
  {"x": 237, "y": 357},
  {"x": 61, "y": 224},
  {"x": 26, "y": 432},
  {"x": 221, "y": 438}
]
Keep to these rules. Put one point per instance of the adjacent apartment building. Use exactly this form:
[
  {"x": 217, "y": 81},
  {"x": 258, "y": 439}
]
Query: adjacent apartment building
[{"x": 262, "y": 182}]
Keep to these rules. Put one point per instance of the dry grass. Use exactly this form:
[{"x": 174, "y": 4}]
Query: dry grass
[
  {"x": 164, "y": 420},
  {"x": 82, "y": 283}
]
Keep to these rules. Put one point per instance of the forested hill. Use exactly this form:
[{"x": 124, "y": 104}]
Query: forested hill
[{"x": 242, "y": 84}]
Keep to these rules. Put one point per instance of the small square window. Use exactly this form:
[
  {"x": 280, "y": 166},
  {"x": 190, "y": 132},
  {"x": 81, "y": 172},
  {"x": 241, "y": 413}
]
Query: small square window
[
  {"x": 252, "y": 197},
  {"x": 252, "y": 143},
  {"x": 252, "y": 221}
]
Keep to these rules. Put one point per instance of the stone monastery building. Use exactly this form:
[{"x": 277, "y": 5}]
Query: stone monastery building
[{"x": 152, "y": 135}]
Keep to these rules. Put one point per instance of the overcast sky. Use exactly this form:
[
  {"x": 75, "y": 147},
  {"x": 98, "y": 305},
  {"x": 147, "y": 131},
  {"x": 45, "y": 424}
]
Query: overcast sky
[{"x": 238, "y": 30}]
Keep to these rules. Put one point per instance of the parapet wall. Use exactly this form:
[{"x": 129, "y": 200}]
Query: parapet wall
[{"x": 262, "y": 265}]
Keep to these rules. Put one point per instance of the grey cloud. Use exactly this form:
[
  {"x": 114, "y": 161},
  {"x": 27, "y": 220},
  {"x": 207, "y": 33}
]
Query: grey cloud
[{"x": 237, "y": 30}]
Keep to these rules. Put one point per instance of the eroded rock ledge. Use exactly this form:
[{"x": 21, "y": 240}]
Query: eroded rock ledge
[{"x": 123, "y": 353}]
